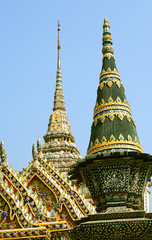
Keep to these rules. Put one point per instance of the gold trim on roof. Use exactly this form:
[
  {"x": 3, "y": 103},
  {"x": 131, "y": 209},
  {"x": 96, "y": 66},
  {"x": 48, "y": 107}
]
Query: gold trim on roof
[
  {"x": 109, "y": 75},
  {"x": 108, "y": 55},
  {"x": 110, "y": 82},
  {"x": 110, "y": 106},
  {"x": 111, "y": 116},
  {"x": 59, "y": 183},
  {"x": 115, "y": 71},
  {"x": 114, "y": 144}
]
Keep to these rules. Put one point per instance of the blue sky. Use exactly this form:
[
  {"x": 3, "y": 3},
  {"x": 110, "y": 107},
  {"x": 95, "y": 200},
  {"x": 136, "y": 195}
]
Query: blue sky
[{"x": 28, "y": 57}]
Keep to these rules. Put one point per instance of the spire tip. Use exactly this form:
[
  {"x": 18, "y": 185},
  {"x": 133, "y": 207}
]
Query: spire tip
[
  {"x": 58, "y": 96},
  {"x": 59, "y": 24},
  {"x": 107, "y": 39},
  {"x": 106, "y": 19}
]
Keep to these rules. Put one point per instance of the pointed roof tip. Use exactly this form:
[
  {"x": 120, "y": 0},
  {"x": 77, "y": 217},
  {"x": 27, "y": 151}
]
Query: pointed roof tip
[
  {"x": 59, "y": 24},
  {"x": 107, "y": 39},
  {"x": 58, "y": 96},
  {"x": 58, "y": 47},
  {"x": 2, "y": 151},
  {"x": 33, "y": 150},
  {"x": 39, "y": 146},
  {"x": 2, "y": 144},
  {"x": 33, "y": 146},
  {"x": 106, "y": 24},
  {"x": 106, "y": 20},
  {"x": 38, "y": 142}
]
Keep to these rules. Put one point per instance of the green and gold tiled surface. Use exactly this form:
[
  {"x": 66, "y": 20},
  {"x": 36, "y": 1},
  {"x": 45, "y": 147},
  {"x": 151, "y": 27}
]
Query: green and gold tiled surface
[{"x": 113, "y": 127}]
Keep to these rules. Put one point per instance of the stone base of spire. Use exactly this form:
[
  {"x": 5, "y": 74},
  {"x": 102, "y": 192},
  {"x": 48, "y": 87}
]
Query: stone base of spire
[
  {"x": 115, "y": 180},
  {"x": 132, "y": 225}
]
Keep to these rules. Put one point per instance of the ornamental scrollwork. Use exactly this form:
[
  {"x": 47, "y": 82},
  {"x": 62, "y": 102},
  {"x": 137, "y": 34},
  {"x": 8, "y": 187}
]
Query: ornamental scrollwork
[{"x": 114, "y": 178}]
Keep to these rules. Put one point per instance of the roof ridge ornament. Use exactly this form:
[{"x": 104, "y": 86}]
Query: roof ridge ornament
[
  {"x": 35, "y": 158},
  {"x": 3, "y": 156}
]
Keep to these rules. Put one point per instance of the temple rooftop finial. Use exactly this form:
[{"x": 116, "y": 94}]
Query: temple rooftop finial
[
  {"x": 58, "y": 96},
  {"x": 39, "y": 146},
  {"x": 35, "y": 158},
  {"x": 107, "y": 39},
  {"x": 3, "y": 156},
  {"x": 2, "y": 151},
  {"x": 34, "y": 154}
]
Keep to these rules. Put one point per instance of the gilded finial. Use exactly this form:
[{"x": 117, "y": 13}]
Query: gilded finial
[{"x": 107, "y": 39}]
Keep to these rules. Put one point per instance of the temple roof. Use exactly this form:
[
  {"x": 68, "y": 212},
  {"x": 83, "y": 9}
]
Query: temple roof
[
  {"x": 113, "y": 127},
  {"x": 38, "y": 202}
]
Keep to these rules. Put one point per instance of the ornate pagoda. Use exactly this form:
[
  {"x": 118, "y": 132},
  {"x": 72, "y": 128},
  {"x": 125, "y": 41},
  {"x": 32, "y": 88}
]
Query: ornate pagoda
[
  {"x": 40, "y": 202},
  {"x": 59, "y": 147},
  {"x": 115, "y": 169}
]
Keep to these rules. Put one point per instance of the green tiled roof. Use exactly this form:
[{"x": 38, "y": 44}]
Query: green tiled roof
[{"x": 113, "y": 127}]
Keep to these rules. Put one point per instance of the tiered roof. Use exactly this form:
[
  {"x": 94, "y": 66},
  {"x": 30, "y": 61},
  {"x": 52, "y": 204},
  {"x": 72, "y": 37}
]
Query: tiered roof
[{"x": 39, "y": 202}]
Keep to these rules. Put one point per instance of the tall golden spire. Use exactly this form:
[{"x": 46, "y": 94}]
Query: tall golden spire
[
  {"x": 58, "y": 96},
  {"x": 59, "y": 147}
]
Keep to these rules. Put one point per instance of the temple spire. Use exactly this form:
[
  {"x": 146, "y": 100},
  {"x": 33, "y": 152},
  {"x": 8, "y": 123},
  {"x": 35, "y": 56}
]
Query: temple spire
[
  {"x": 59, "y": 147},
  {"x": 113, "y": 127},
  {"x": 58, "y": 96}
]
